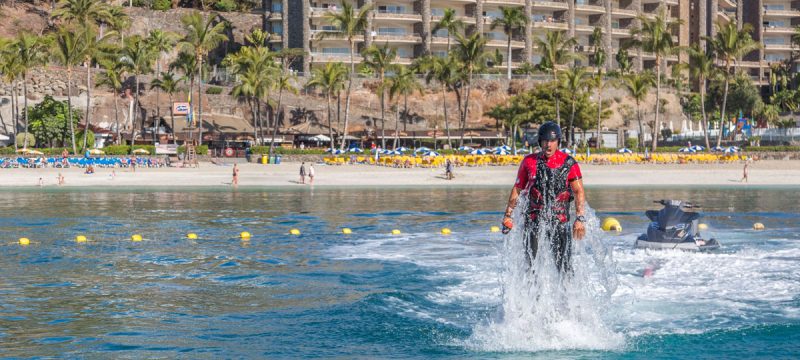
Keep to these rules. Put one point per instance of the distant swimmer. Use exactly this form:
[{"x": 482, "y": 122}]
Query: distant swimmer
[{"x": 552, "y": 180}]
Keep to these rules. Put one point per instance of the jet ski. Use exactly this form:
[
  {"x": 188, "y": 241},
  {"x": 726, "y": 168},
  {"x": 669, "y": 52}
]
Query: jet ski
[{"x": 674, "y": 228}]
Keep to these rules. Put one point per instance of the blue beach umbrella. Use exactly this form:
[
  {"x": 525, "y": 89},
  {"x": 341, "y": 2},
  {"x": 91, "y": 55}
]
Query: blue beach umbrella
[
  {"x": 478, "y": 152},
  {"x": 504, "y": 147},
  {"x": 718, "y": 148},
  {"x": 465, "y": 148},
  {"x": 697, "y": 148},
  {"x": 422, "y": 149},
  {"x": 625, "y": 151},
  {"x": 355, "y": 150},
  {"x": 686, "y": 150},
  {"x": 501, "y": 152},
  {"x": 523, "y": 151},
  {"x": 731, "y": 149},
  {"x": 568, "y": 151},
  {"x": 431, "y": 153},
  {"x": 401, "y": 149}
]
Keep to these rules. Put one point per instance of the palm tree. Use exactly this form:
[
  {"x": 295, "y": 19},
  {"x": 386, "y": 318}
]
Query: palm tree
[
  {"x": 86, "y": 13},
  {"x": 350, "y": 23},
  {"x": 513, "y": 20},
  {"x": 112, "y": 77},
  {"x": 202, "y": 36},
  {"x": 730, "y": 44},
  {"x": 161, "y": 42},
  {"x": 445, "y": 72},
  {"x": 572, "y": 80},
  {"x": 701, "y": 69},
  {"x": 94, "y": 47},
  {"x": 403, "y": 83},
  {"x": 11, "y": 70},
  {"x": 31, "y": 51},
  {"x": 330, "y": 79},
  {"x": 598, "y": 60},
  {"x": 449, "y": 22},
  {"x": 656, "y": 38},
  {"x": 557, "y": 49},
  {"x": 137, "y": 57},
  {"x": 283, "y": 83},
  {"x": 638, "y": 85},
  {"x": 470, "y": 53},
  {"x": 256, "y": 68},
  {"x": 68, "y": 50},
  {"x": 169, "y": 84},
  {"x": 379, "y": 59}
]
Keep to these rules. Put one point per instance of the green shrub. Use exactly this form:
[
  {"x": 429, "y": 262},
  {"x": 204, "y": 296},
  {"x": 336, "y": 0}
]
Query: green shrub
[
  {"x": 20, "y": 140},
  {"x": 150, "y": 148},
  {"x": 79, "y": 140},
  {"x": 214, "y": 90},
  {"x": 162, "y": 5},
  {"x": 283, "y": 151},
  {"x": 225, "y": 5},
  {"x": 117, "y": 150},
  {"x": 631, "y": 143},
  {"x": 9, "y": 150},
  {"x": 142, "y": 3},
  {"x": 771, "y": 148},
  {"x": 201, "y": 150}
]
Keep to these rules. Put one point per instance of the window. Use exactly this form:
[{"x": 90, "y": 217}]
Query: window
[
  {"x": 403, "y": 53},
  {"x": 437, "y": 12},
  {"x": 336, "y": 51},
  {"x": 277, "y": 28},
  {"x": 440, "y": 53},
  {"x": 392, "y": 9},
  {"x": 774, "y": 41},
  {"x": 774, "y": 57},
  {"x": 277, "y": 7},
  {"x": 391, "y": 31},
  {"x": 440, "y": 33},
  {"x": 774, "y": 7}
]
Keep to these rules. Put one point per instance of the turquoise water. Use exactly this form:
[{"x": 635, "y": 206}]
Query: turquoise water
[{"x": 374, "y": 295}]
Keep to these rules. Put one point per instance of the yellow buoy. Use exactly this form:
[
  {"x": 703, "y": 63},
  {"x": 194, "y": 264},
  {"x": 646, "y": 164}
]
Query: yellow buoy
[
  {"x": 136, "y": 237},
  {"x": 80, "y": 238},
  {"x": 395, "y": 232},
  {"x": 494, "y": 229},
  {"x": 347, "y": 231},
  {"x": 702, "y": 226},
  {"x": 24, "y": 241},
  {"x": 611, "y": 224},
  {"x": 758, "y": 226},
  {"x": 192, "y": 236},
  {"x": 445, "y": 231},
  {"x": 245, "y": 235},
  {"x": 294, "y": 232}
]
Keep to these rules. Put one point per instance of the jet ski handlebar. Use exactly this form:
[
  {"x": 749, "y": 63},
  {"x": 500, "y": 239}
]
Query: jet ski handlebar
[{"x": 684, "y": 204}]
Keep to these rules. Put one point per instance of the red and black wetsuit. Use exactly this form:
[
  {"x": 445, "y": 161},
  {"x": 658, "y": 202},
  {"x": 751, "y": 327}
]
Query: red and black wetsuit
[{"x": 547, "y": 182}]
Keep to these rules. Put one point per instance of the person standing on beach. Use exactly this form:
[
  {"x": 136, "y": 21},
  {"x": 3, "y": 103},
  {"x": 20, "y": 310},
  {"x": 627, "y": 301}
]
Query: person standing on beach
[
  {"x": 235, "y": 175},
  {"x": 744, "y": 172},
  {"x": 303, "y": 173},
  {"x": 448, "y": 169},
  {"x": 551, "y": 180},
  {"x": 311, "y": 174}
]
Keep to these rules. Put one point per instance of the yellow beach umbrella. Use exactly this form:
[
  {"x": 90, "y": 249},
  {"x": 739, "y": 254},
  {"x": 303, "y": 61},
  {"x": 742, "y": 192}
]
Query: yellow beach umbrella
[
  {"x": 97, "y": 152},
  {"x": 141, "y": 151}
]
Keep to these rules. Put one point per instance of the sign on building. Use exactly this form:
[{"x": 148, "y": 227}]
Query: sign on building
[{"x": 180, "y": 108}]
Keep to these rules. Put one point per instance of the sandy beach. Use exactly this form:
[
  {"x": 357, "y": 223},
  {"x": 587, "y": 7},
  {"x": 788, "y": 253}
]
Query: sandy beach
[{"x": 768, "y": 172}]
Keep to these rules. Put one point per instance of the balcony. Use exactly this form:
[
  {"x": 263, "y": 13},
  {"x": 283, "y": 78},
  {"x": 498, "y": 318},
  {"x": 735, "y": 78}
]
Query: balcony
[
  {"x": 398, "y": 16},
  {"x": 620, "y": 12},
  {"x": 397, "y": 38},
  {"x": 728, "y": 3},
  {"x": 583, "y": 28},
  {"x": 319, "y": 57},
  {"x": 466, "y": 19},
  {"x": 782, "y": 13},
  {"x": 779, "y": 30},
  {"x": 672, "y": 2},
  {"x": 332, "y": 35},
  {"x": 275, "y": 38},
  {"x": 496, "y": 41},
  {"x": 589, "y": 9},
  {"x": 550, "y": 5},
  {"x": 505, "y": 2},
  {"x": 723, "y": 17},
  {"x": 322, "y": 12},
  {"x": 620, "y": 32},
  {"x": 778, "y": 47},
  {"x": 553, "y": 24}
]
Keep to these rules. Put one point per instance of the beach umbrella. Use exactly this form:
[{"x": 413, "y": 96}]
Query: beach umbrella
[
  {"x": 504, "y": 147},
  {"x": 625, "y": 151},
  {"x": 140, "y": 151},
  {"x": 422, "y": 150},
  {"x": 101, "y": 152},
  {"x": 35, "y": 152},
  {"x": 731, "y": 149},
  {"x": 401, "y": 149},
  {"x": 465, "y": 148},
  {"x": 391, "y": 152},
  {"x": 718, "y": 148},
  {"x": 523, "y": 151},
  {"x": 23, "y": 151},
  {"x": 431, "y": 153},
  {"x": 568, "y": 151},
  {"x": 686, "y": 150},
  {"x": 376, "y": 150},
  {"x": 329, "y": 150},
  {"x": 501, "y": 152},
  {"x": 697, "y": 148},
  {"x": 478, "y": 152},
  {"x": 355, "y": 150}
]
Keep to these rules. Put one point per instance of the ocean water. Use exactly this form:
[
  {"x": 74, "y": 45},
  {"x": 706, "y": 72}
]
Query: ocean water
[{"x": 371, "y": 294}]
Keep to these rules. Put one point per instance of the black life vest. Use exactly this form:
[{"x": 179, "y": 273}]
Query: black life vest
[{"x": 550, "y": 192}]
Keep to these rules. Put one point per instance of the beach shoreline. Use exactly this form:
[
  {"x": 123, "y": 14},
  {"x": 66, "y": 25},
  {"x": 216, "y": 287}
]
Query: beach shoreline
[{"x": 286, "y": 175}]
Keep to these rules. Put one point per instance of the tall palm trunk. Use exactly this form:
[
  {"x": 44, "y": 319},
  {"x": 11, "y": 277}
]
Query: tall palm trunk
[
  {"x": 396, "y": 120},
  {"x": 703, "y": 109},
  {"x": 88, "y": 101},
  {"x": 405, "y": 110},
  {"x": 599, "y": 113},
  {"x": 641, "y": 128},
  {"x": 135, "y": 109},
  {"x": 572, "y": 122},
  {"x": 171, "y": 119},
  {"x": 158, "y": 103},
  {"x": 446, "y": 121},
  {"x": 116, "y": 117},
  {"x": 250, "y": 102},
  {"x": 508, "y": 60},
  {"x": 558, "y": 98},
  {"x": 330, "y": 125},
  {"x": 200, "y": 98},
  {"x": 69, "y": 109},
  {"x": 724, "y": 103},
  {"x": 25, "y": 102},
  {"x": 347, "y": 97},
  {"x": 656, "y": 124},
  {"x": 14, "y": 113},
  {"x": 466, "y": 107},
  {"x": 383, "y": 113},
  {"x": 276, "y": 118}
]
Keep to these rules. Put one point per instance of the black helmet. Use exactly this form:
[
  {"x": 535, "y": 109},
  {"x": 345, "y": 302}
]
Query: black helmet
[{"x": 549, "y": 131}]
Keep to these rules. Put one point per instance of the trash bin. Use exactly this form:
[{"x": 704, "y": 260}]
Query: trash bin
[
  {"x": 277, "y": 159},
  {"x": 264, "y": 159}
]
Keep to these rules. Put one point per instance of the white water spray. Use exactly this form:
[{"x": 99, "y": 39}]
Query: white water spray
[{"x": 545, "y": 309}]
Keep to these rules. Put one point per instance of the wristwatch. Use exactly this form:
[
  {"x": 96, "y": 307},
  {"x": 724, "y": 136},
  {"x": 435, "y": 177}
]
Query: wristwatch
[{"x": 580, "y": 218}]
